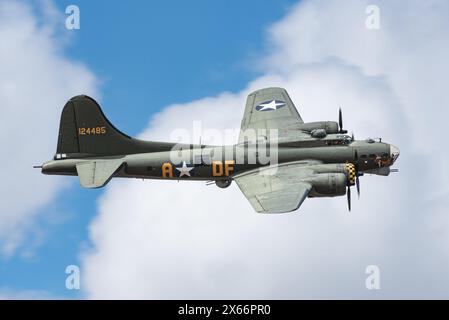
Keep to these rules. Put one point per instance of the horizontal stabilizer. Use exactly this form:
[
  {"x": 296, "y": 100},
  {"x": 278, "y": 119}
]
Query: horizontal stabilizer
[{"x": 97, "y": 173}]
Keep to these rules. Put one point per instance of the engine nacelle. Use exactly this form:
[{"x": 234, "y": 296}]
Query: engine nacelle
[
  {"x": 328, "y": 185},
  {"x": 224, "y": 183},
  {"x": 328, "y": 126}
]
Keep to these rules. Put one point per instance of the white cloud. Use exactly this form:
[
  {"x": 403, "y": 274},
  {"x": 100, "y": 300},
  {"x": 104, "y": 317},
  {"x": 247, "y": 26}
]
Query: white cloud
[
  {"x": 159, "y": 239},
  {"x": 36, "y": 80}
]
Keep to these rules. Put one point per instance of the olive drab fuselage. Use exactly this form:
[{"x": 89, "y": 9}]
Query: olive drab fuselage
[{"x": 214, "y": 163}]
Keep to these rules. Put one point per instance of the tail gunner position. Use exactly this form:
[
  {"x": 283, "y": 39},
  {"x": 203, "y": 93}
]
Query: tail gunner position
[{"x": 314, "y": 159}]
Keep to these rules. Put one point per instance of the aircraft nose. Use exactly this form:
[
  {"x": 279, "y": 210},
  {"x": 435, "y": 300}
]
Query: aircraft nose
[{"x": 394, "y": 152}]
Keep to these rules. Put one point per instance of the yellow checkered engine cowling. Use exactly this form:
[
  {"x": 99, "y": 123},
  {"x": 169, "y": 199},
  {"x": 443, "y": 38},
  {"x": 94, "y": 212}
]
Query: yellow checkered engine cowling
[{"x": 350, "y": 173}]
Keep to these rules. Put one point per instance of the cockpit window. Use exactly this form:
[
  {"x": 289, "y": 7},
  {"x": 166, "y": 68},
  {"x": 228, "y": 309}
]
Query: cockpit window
[{"x": 342, "y": 139}]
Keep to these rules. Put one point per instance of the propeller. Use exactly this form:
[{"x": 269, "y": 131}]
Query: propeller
[
  {"x": 356, "y": 161},
  {"x": 357, "y": 174},
  {"x": 357, "y": 180},
  {"x": 340, "y": 122},
  {"x": 348, "y": 194}
]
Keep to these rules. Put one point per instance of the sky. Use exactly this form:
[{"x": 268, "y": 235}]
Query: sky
[{"x": 157, "y": 68}]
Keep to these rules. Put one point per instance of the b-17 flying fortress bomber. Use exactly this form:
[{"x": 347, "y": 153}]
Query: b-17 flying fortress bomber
[{"x": 278, "y": 161}]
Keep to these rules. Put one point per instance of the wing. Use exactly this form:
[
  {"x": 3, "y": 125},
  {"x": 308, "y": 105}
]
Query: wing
[
  {"x": 271, "y": 108},
  {"x": 278, "y": 189}
]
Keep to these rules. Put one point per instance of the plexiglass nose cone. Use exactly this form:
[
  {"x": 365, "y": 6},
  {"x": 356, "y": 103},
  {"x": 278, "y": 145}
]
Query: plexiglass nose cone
[{"x": 394, "y": 152}]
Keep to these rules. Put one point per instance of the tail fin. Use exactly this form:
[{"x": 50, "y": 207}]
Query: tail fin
[{"x": 85, "y": 131}]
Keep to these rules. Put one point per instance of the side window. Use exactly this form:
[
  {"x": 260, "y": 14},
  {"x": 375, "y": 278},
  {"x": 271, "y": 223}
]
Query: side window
[{"x": 206, "y": 159}]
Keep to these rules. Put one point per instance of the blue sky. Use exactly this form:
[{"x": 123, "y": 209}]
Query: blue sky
[
  {"x": 147, "y": 55},
  {"x": 151, "y": 54}
]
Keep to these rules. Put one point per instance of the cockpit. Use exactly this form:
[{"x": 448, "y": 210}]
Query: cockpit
[{"x": 340, "y": 140}]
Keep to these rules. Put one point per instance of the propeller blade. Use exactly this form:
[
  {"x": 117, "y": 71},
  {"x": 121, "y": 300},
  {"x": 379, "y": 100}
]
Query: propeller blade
[
  {"x": 340, "y": 122},
  {"x": 352, "y": 135},
  {"x": 340, "y": 119},
  {"x": 348, "y": 194},
  {"x": 357, "y": 174}
]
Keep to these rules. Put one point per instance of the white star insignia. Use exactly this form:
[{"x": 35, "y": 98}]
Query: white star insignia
[
  {"x": 184, "y": 170},
  {"x": 272, "y": 105}
]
